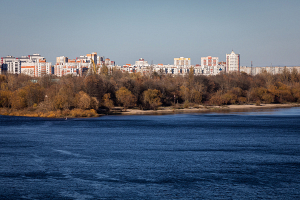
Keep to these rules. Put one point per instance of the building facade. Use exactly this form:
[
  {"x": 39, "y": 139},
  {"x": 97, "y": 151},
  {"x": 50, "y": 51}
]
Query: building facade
[
  {"x": 269, "y": 69},
  {"x": 209, "y": 61},
  {"x": 141, "y": 63},
  {"x": 32, "y": 65},
  {"x": 232, "y": 62},
  {"x": 81, "y": 65},
  {"x": 210, "y": 65},
  {"x": 183, "y": 62}
]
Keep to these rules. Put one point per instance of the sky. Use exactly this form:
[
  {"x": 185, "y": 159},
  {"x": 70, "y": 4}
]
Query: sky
[{"x": 266, "y": 32}]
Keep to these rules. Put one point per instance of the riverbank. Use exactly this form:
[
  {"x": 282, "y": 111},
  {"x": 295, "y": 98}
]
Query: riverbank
[
  {"x": 206, "y": 109},
  {"x": 75, "y": 113},
  {"x": 79, "y": 113}
]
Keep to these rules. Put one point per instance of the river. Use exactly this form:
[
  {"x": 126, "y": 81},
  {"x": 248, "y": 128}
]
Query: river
[{"x": 239, "y": 155}]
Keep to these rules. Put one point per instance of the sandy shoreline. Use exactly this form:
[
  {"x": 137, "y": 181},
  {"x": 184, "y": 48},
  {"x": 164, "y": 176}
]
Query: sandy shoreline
[
  {"x": 203, "y": 109},
  {"x": 161, "y": 111}
]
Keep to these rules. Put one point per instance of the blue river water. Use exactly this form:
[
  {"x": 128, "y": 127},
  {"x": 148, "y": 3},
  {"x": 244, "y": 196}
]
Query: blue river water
[{"x": 241, "y": 155}]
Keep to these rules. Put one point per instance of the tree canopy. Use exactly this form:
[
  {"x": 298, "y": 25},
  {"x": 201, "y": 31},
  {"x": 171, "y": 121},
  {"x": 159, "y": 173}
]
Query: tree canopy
[{"x": 51, "y": 93}]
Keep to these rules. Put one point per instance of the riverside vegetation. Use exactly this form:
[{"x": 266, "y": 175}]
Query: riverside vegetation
[{"x": 89, "y": 96}]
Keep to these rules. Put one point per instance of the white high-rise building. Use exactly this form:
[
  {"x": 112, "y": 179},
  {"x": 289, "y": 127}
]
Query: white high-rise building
[
  {"x": 210, "y": 66},
  {"x": 209, "y": 61},
  {"x": 232, "y": 62},
  {"x": 141, "y": 63},
  {"x": 183, "y": 62},
  {"x": 32, "y": 65}
]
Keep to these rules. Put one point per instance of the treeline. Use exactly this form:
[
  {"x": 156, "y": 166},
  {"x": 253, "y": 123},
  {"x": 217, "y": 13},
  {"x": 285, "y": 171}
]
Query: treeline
[{"x": 83, "y": 96}]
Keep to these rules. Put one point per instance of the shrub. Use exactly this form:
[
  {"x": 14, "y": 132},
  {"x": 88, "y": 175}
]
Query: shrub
[
  {"x": 242, "y": 100},
  {"x": 257, "y": 103},
  {"x": 186, "y": 104}
]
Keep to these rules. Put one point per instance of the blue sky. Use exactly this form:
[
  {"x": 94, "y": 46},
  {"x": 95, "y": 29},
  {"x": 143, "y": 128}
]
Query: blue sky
[{"x": 262, "y": 31}]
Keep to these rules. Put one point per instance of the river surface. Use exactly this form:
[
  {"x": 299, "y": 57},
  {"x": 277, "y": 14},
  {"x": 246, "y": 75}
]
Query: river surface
[{"x": 242, "y": 155}]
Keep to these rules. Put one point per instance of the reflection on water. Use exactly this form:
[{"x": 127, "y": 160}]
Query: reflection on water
[
  {"x": 264, "y": 111},
  {"x": 239, "y": 155}
]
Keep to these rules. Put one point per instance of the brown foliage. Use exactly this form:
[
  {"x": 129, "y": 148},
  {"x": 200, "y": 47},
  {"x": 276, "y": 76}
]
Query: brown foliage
[
  {"x": 65, "y": 98},
  {"x": 242, "y": 100},
  {"x": 34, "y": 94},
  {"x": 125, "y": 97},
  {"x": 83, "y": 100},
  {"x": 107, "y": 102},
  {"x": 18, "y": 99},
  {"x": 218, "y": 99},
  {"x": 153, "y": 98},
  {"x": 184, "y": 93},
  {"x": 196, "y": 96},
  {"x": 296, "y": 92},
  {"x": 5, "y": 96},
  {"x": 70, "y": 93}
]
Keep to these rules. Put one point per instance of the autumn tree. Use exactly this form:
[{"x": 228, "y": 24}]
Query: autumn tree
[
  {"x": 282, "y": 93},
  {"x": 285, "y": 75},
  {"x": 3, "y": 79},
  {"x": 104, "y": 70},
  {"x": 184, "y": 93},
  {"x": 296, "y": 92},
  {"x": 107, "y": 102},
  {"x": 153, "y": 98},
  {"x": 217, "y": 99},
  {"x": 93, "y": 86},
  {"x": 65, "y": 98},
  {"x": 83, "y": 100},
  {"x": 294, "y": 75},
  {"x": 191, "y": 77},
  {"x": 18, "y": 99},
  {"x": 34, "y": 94},
  {"x": 46, "y": 81},
  {"x": 94, "y": 103},
  {"x": 97, "y": 86},
  {"x": 196, "y": 96},
  {"x": 125, "y": 97},
  {"x": 5, "y": 96}
]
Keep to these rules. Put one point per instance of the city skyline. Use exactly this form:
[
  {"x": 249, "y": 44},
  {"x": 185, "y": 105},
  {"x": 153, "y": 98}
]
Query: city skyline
[{"x": 264, "y": 32}]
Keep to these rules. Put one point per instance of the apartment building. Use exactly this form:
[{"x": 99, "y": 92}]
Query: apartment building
[
  {"x": 141, "y": 66},
  {"x": 210, "y": 65},
  {"x": 32, "y": 65},
  {"x": 109, "y": 62},
  {"x": 183, "y": 62},
  {"x": 36, "y": 69},
  {"x": 141, "y": 63},
  {"x": 10, "y": 64},
  {"x": 209, "y": 61},
  {"x": 81, "y": 65},
  {"x": 269, "y": 69},
  {"x": 92, "y": 56},
  {"x": 232, "y": 62},
  {"x": 74, "y": 67},
  {"x": 61, "y": 59},
  {"x": 171, "y": 69}
]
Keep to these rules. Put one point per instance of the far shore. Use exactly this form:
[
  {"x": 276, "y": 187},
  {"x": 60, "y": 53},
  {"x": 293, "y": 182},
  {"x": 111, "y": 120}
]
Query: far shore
[
  {"x": 206, "y": 109},
  {"x": 78, "y": 113}
]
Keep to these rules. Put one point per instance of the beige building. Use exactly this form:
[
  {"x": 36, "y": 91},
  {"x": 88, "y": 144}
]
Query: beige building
[
  {"x": 61, "y": 59},
  {"x": 81, "y": 65},
  {"x": 209, "y": 61},
  {"x": 183, "y": 62},
  {"x": 141, "y": 63}
]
